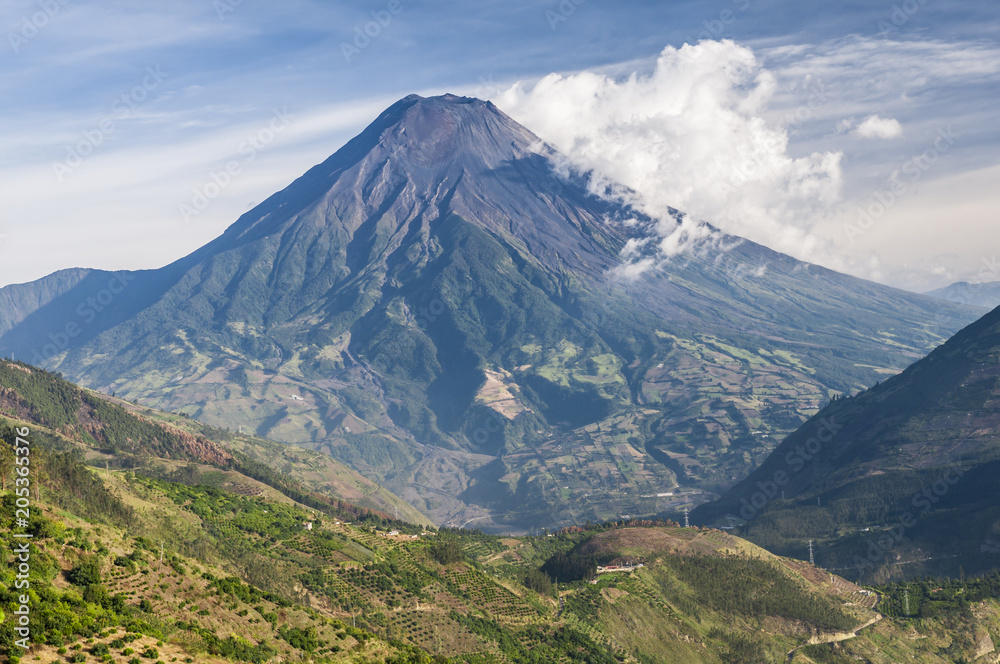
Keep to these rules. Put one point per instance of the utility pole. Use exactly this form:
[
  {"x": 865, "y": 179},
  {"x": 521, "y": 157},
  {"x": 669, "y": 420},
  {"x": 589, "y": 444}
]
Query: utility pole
[{"x": 812, "y": 561}]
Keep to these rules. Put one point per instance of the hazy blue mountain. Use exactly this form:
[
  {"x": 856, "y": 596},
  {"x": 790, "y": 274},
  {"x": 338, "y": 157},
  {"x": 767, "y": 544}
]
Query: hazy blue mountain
[
  {"x": 985, "y": 294},
  {"x": 438, "y": 307}
]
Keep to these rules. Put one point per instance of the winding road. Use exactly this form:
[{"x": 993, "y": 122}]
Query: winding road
[{"x": 836, "y": 636}]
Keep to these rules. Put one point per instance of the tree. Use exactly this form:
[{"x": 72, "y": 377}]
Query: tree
[
  {"x": 446, "y": 550},
  {"x": 539, "y": 581},
  {"x": 86, "y": 573}
]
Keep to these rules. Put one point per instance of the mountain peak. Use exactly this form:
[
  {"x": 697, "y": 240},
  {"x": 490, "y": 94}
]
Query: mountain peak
[
  {"x": 445, "y": 128},
  {"x": 446, "y": 98}
]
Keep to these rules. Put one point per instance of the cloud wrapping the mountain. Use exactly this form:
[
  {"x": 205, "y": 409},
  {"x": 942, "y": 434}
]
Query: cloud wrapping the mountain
[{"x": 690, "y": 134}]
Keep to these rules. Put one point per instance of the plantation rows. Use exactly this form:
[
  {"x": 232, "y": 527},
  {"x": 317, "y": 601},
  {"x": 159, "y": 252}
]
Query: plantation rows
[
  {"x": 634, "y": 586},
  {"x": 435, "y": 632},
  {"x": 484, "y": 593},
  {"x": 482, "y": 548}
]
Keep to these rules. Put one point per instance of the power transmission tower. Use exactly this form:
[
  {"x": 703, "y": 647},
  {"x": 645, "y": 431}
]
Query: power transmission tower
[
  {"x": 812, "y": 561},
  {"x": 686, "y": 523},
  {"x": 906, "y": 601}
]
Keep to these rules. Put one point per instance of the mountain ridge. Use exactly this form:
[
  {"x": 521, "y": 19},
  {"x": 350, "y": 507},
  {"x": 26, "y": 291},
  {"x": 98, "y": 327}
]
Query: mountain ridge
[
  {"x": 109, "y": 431},
  {"x": 983, "y": 293},
  {"x": 435, "y": 306},
  {"x": 922, "y": 446}
]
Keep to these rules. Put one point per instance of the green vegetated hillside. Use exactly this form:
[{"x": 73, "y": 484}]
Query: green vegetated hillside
[
  {"x": 109, "y": 579},
  {"x": 130, "y": 568},
  {"x": 149, "y": 544},
  {"x": 440, "y": 310},
  {"x": 898, "y": 481},
  {"x": 117, "y": 433}
]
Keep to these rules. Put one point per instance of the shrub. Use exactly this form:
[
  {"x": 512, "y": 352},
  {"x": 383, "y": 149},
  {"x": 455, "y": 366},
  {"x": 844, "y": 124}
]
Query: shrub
[
  {"x": 86, "y": 573},
  {"x": 126, "y": 562}
]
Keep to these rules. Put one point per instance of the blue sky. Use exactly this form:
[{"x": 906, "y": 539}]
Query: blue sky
[{"x": 119, "y": 115}]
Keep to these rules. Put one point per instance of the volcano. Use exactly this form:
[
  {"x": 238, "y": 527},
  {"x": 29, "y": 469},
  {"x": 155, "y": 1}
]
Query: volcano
[{"x": 442, "y": 306}]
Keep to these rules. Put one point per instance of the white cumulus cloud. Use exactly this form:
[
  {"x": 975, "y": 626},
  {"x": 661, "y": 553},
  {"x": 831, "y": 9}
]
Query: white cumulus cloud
[
  {"x": 690, "y": 134},
  {"x": 875, "y": 127}
]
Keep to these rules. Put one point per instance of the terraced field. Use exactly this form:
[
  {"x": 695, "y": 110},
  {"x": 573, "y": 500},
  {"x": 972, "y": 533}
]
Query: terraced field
[{"x": 708, "y": 414}]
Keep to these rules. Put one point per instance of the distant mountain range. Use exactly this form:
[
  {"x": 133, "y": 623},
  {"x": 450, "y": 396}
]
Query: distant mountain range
[
  {"x": 986, "y": 294},
  {"x": 437, "y": 306},
  {"x": 898, "y": 480}
]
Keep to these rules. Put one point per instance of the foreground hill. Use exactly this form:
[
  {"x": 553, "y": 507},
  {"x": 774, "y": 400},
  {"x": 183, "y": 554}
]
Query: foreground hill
[
  {"x": 129, "y": 568},
  {"x": 171, "y": 547},
  {"x": 897, "y": 480},
  {"x": 437, "y": 307}
]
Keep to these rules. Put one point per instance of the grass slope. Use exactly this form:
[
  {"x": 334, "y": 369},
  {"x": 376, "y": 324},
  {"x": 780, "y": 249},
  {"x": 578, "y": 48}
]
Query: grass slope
[{"x": 198, "y": 564}]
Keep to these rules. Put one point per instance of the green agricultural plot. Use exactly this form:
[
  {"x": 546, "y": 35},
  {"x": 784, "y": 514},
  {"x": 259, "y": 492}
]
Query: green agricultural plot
[{"x": 568, "y": 364}]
